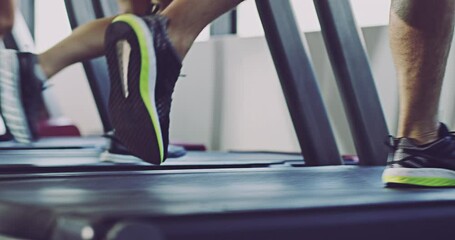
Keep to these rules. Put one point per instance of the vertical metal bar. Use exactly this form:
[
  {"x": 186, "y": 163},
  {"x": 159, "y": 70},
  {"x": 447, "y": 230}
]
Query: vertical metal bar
[
  {"x": 355, "y": 80},
  {"x": 81, "y": 12},
  {"x": 299, "y": 83},
  {"x": 105, "y": 8},
  {"x": 27, "y": 7},
  {"x": 225, "y": 25}
]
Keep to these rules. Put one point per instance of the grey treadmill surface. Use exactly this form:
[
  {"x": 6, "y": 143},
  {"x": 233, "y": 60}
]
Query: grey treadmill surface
[
  {"x": 56, "y": 143},
  {"x": 83, "y": 161},
  {"x": 47, "y": 149},
  {"x": 224, "y": 204}
]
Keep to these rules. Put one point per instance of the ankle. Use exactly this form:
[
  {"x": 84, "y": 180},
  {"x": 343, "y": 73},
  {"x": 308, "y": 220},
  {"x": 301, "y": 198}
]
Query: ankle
[
  {"x": 181, "y": 42},
  {"x": 45, "y": 66},
  {"x": 423, "y": 139},
  {"x": 181, "y": 34},
  {"x": 421, "y": 135}
]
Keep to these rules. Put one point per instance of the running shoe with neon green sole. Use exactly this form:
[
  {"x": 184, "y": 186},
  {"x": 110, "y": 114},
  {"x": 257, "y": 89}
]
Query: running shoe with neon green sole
[
  {"x": 429, "y": 165},
  {"x": 143, "y": 68}
]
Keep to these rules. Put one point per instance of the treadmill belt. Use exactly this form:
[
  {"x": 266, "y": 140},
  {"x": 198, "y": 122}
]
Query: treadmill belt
[
  {"x": 342, "y": 202},
  {"x": 56, "y": 143},
  {"x": 85, "y": 162}
]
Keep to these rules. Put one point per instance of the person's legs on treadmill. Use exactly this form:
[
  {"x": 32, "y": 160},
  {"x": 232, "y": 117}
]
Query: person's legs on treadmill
[
  {"x": 30, "y": 71},
  {"x": 420, "y": 36},
  {"x": 144, "y": 57},
  {"x": 6, "y": 16}
]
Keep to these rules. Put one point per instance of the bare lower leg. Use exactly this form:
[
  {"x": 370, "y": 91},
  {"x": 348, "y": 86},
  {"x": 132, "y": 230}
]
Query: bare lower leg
[
  {"x": 420, "y": 36},
  {"x": 86, "y": 42},
  {"x": 189, "y": 17}
]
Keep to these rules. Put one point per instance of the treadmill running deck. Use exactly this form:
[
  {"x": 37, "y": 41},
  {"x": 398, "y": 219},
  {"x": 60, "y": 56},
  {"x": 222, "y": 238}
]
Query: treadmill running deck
[{"x": 269, "y": 203}]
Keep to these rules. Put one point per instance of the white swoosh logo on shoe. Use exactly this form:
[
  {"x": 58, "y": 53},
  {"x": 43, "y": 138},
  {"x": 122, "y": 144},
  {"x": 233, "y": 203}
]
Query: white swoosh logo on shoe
[{"x": 123, "y": 56}]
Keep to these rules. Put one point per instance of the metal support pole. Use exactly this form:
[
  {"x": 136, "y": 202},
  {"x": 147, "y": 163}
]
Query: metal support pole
[
  {"x": 299, "y": 83},
  {"x": 355, "y": 80},
  {"x": 225, "y": 25}
]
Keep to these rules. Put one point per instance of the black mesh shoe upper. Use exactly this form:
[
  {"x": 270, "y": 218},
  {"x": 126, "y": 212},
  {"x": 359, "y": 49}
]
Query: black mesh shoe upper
[{"x": 438, "y": 154}]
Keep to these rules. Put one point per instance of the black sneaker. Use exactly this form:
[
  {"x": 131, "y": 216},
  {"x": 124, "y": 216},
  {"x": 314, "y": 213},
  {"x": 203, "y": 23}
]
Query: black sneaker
[
  {"x": 21, "y": 85},
  {"x": 144, "y": 68},
  {"x": 429, "y": 165}
]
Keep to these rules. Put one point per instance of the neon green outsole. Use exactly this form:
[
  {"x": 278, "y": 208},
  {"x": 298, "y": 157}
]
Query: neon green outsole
[{"x": 420, "y": 181}]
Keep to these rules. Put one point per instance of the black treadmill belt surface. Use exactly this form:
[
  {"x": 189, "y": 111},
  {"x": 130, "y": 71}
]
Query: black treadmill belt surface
[
  {"x": 87, "y": 161},
  {"x": 304, "y": 198}
]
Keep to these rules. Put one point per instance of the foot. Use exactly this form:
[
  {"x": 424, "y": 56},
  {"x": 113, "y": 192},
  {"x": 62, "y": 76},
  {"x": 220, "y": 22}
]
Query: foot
[
  {"x": 429, "y": 165},
  {"x": 21, "y": 85},
  {"x": 143, "y": 68}
]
